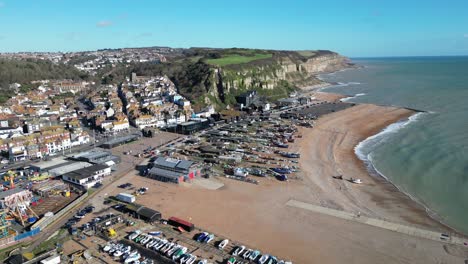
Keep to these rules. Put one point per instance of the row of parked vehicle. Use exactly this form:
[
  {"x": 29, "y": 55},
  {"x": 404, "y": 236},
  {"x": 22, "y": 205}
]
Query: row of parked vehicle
[
  {"x": 254, "y": 255},
  {"x": 244, "y": 255},
  {"x": 126, "y": 253},
  {"x": 83, "y": 212},
  {"x": 176, "y": 252}
]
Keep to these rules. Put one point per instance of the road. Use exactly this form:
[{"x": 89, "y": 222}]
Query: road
[
  {"x": 45, "y": 234},
  {"x": 48, "y": 231}
]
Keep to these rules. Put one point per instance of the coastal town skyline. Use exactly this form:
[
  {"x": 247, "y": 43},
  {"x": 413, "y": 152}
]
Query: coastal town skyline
[
  {"x": 233, "y": 132},
  {"x": 360, "y": 29}
]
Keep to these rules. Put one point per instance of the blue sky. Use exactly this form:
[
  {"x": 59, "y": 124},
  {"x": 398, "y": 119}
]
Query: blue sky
[{"x": 356, "y": 28}]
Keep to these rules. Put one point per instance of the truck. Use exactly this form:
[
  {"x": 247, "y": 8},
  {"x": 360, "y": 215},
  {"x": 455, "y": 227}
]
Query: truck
[{"x": 125, "y": 197}]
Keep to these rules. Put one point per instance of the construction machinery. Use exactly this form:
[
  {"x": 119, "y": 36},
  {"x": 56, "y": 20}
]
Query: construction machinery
[
  {"x": 10, "y": 176},
  {"x": 18, "y": 204},
  {"x": 111, "y": 232}
]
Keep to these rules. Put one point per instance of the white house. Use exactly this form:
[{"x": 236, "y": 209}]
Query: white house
[{"x": 88, "y": 177}]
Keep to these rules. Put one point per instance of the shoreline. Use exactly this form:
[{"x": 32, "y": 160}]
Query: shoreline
[
  {"x": 373, "y": 171},
  {"x": 368, "y": 164},
  {"x": 258, "y": 216}
]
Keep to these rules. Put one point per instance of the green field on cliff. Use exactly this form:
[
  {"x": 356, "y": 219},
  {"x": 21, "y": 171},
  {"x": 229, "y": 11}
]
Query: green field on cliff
[{"x": 237, "y": 59}]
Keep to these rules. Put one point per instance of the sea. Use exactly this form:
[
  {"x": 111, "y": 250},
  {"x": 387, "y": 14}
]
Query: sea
[{"x": 425, "y": 156}]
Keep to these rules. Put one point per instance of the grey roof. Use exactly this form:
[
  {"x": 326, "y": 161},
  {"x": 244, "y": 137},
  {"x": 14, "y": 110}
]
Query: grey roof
[
  {"x": 164, "y": 173},
  {"x": 149, "y": 213},
  {"x": 92, "y": 154},
  {"x": 173, "y": 163},
  {"x": 184, "y": 164},
  {"x": 10, "y": 192},
  {"x": 86, "y": 172},
  {"x": 68, "y": 167},
  {"x": 161, "y": 161}
]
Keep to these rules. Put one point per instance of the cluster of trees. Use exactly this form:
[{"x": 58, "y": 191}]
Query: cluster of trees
[
  {"x": 25, "y": 71},
  {"x": 193, "y": 79}
]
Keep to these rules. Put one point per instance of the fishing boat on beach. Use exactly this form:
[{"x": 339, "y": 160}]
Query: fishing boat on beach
[{"x": 357, "y": 181}]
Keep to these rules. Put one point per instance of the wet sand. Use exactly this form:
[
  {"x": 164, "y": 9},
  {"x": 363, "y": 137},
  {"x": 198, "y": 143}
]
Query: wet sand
[
  {"x": 257, "y": 215},
  {"x": 328, "y": 150}
]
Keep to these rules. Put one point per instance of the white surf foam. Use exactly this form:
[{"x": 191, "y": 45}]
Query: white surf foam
[
  {"x": 346, "y": 99},
  {"x": 380, "y": 138},
  {"x": 339, "y": 84}
]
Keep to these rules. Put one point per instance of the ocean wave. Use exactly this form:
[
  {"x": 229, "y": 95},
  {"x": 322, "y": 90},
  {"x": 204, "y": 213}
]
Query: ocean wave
[
  {"x": 338, "y": 84},
  {"x": 373, "y": 170},
  {"x": 372, "y": 142},
  {"x": 346, "y": 99}
]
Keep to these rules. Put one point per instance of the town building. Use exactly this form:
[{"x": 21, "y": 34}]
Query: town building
[
  {"x": 173, "y": 170},
  {"x": 86, "y": 178},
  {"x": 246, "y": 99}
]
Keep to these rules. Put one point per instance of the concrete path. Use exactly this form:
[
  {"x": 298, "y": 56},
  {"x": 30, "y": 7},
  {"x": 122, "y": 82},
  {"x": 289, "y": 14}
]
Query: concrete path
[{"x": 404, "y": 229}]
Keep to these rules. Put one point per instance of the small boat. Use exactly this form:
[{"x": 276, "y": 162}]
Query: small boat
[
  {"x": 223, "y": 244},
  {"x": 254, "y": 255},
  {"x": 209, "y": 239},
  {"x": 108, "y": 247},
  {"x": 282, "y": 170},
  {"x": 238, "y": 250},
  {"x": 161, "y": 244},
  {"x": 263, "y": 259},
  {"x": 132, "y": 258},
  {"x": 134, "y": 235},
  {"x": 205, "y": 239},
  {"x": 247, "y": 253},
  {"x": 151, "y": 243},
  {"x": 174, "y": 249},
  {"x": 127, "y": 249},
  {"x": 357, "y": 181},
  {"x": 118, "y": 253},
  {"x": 146, "y": 240},
  {"x": 179, "y": 253},
  {"x": 191, "y": 260},
  {"x": 231, "y": 260},
  {"x": 139, "y": 238},
  {"x": 184, "y": 258},
  {"x": 203, "y": 261},
  {"x": 115, "y": 248},
  {"x": 130, "y": 254},
  {"x": 201, "y": 236},
  {"x": 167, "y": 248},
  {"x": 272, "y": 260},
  {"x": 155, "y": 233},
  {"x": 282, "y": 177}
]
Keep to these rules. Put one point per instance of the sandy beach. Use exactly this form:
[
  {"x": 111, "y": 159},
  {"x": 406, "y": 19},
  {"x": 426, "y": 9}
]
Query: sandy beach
[{"x": 257, "y": 215}]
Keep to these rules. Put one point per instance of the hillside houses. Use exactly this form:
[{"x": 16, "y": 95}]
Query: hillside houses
[
  {"x": 46, "y": 142},
  {"x": 153, "y": 102}
]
